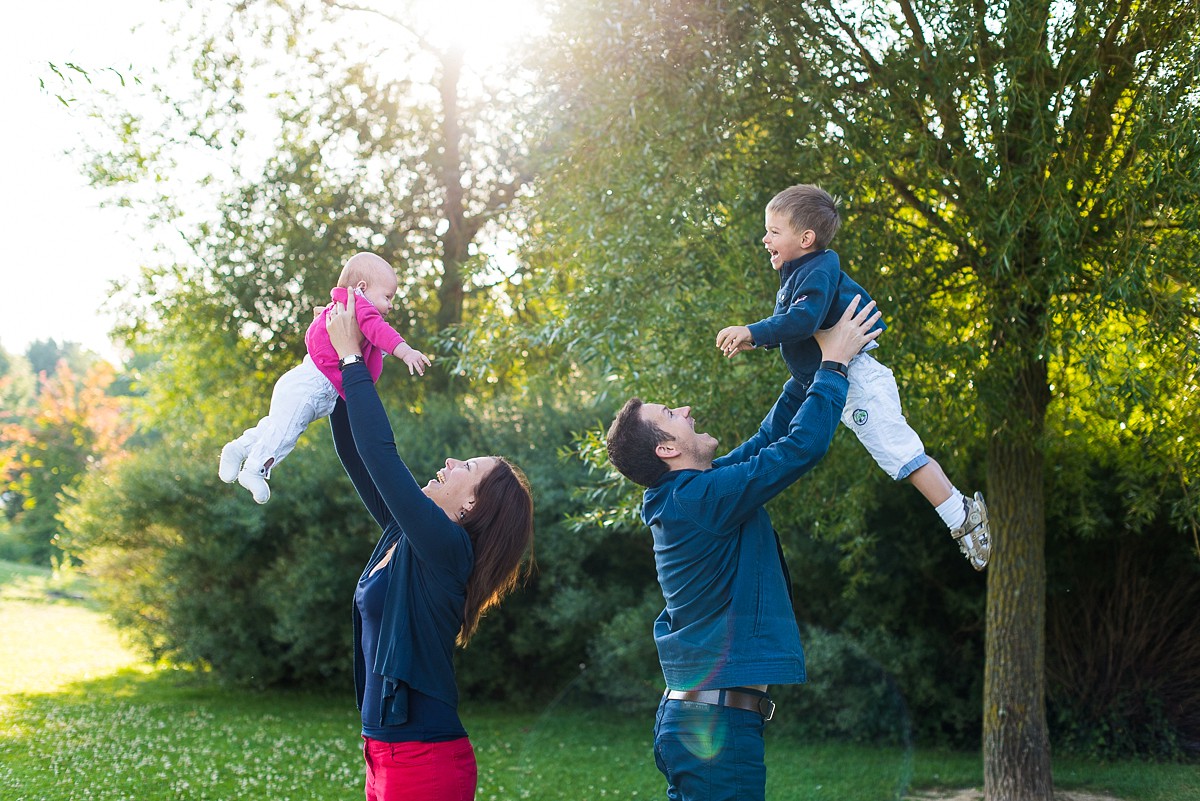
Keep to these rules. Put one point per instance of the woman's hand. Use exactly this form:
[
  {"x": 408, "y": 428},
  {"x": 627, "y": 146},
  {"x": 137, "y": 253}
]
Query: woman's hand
[{"x": 342, "y": 325}]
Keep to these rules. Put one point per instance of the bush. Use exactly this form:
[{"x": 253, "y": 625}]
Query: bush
[
  {"x": 1123, "y": 649},
  {"x": 262, "y": 594},
  {"x": 849, "y": 696},
  {"x": 200, "y": 575},
  {"x": 623, "y": 667}
]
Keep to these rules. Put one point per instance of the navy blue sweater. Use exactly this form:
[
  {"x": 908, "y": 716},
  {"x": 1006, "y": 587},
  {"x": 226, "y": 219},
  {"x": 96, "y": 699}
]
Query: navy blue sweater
[
  {"x": 813, "y": 293},
  {"x": 423, "y": 606}
]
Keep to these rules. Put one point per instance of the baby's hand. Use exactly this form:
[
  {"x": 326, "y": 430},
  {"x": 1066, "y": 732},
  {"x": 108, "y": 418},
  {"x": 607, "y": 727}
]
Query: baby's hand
[
  {"x": 416, "y": 361},
  {"x": 734, "y": 339}
]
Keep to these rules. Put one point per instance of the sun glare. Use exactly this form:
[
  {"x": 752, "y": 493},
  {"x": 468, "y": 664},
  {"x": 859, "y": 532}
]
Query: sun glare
[{"x": 485, "y": 29}]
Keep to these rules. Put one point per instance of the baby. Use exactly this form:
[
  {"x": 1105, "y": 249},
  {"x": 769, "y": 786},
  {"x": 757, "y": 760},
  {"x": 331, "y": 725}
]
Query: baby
[{"x": 308, "y": 391}]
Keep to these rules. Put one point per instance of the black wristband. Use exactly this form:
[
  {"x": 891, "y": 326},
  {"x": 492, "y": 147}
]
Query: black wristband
[
  {"x": 353, "y": 358},
  {"x": 836, "y": 367}
]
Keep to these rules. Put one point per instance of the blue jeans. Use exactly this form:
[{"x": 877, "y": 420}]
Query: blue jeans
[{"x": 710, "y": 753}]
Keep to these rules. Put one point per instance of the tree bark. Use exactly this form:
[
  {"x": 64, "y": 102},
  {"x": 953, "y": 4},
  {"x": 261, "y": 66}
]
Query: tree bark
[
  {"x": 457, "y": 238},
  {"x": 1016, "y": 744}
]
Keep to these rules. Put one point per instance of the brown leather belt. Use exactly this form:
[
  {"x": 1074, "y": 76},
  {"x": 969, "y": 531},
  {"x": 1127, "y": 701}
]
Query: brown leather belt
[{"x": 753, "y": 703}]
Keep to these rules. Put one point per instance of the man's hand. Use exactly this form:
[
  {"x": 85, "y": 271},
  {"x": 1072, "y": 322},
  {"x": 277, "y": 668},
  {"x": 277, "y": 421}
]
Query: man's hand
[
  {"x": 416, "y": 361},
  {"x": 850, "y": 334},
  {"x": 734, "y": 339}
]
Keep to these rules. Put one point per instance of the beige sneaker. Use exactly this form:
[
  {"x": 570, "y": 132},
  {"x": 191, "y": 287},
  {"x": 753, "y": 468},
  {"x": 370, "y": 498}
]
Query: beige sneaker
[{"x": 973, "y": 536}]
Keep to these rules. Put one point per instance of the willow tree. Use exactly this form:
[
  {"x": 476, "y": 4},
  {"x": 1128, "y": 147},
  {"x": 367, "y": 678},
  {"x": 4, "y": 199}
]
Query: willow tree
[{"x": 1023, "y": 188}]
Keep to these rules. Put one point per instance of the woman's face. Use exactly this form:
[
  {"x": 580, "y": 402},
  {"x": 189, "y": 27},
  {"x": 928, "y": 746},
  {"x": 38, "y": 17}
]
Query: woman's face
[{"x": 454, "y": 487}]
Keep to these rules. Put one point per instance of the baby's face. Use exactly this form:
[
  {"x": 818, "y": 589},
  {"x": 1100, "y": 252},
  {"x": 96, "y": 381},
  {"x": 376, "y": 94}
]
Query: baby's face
[{"x": 380, "y": 290}]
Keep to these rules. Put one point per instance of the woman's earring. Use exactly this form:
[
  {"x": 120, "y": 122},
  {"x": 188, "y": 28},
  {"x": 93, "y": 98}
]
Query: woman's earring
[{"x": 461, "y": 515}]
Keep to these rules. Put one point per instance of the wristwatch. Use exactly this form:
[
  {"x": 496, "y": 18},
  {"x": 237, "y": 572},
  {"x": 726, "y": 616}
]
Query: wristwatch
[
  {"x": 837, "y": 367},
  {"x": 353, "y": 358}
]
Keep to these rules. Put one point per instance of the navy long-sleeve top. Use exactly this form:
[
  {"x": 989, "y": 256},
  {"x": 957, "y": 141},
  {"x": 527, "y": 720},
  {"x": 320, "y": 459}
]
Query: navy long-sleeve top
[
  {"x": 426, "y": 577},
  {"x": 814, "y": 291}
]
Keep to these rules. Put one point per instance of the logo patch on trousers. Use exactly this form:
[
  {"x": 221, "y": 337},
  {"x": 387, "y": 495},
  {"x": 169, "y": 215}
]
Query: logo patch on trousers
[{"x": 859, "y": 417}]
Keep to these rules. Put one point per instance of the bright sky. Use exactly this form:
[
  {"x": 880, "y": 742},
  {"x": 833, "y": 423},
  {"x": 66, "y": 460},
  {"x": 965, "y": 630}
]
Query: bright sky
[{"x": 60, "y": 247}]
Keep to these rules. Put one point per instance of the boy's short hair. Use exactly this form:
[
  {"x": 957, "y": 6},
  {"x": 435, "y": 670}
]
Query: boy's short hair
[
  {"x": 809, "y": 207},
  {"x": 631, "y": 441}
]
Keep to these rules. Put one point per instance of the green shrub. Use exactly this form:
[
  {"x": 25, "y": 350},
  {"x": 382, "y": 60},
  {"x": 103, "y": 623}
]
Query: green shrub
[
  {"x": 262, "y": 594},
  {"x": 849, "y": 695},
  {"x": 1123, "y": 649}
]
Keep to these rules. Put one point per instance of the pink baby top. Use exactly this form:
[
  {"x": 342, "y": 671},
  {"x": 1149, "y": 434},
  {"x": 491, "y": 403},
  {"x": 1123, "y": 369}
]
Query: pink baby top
[{"x": 379, "y": 338}]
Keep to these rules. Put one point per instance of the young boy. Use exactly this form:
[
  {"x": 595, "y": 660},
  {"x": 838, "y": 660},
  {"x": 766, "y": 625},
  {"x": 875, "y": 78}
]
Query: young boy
[
  {"x": 307, "y": 392},
  {"x": 801, "y": 222}
]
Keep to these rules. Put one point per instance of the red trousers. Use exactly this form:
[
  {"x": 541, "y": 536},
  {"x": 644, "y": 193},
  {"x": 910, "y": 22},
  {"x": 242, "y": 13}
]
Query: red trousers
[{"x": 420, "y": 771}]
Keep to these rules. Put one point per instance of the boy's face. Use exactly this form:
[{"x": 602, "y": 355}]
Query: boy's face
[
  {"x": 784, "y": 242},
  {"x": 380, "y": 290}
]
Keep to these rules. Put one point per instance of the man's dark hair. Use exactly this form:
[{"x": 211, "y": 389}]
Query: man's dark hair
[{"x": 631, "y": 442}]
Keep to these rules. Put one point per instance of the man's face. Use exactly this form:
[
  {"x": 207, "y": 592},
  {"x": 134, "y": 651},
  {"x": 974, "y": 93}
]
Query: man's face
[{"x": 678, "y": 424}]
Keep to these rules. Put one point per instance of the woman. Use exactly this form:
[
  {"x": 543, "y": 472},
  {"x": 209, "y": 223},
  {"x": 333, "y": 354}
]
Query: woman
[{"x": 449, "y": 551}]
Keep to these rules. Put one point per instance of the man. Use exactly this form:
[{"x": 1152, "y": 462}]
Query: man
[{"x": 728, "y": 630}]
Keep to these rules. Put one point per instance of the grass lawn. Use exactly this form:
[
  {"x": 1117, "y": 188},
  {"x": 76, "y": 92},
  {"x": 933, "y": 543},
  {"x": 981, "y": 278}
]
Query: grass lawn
[{"x": 83, "y": 717}]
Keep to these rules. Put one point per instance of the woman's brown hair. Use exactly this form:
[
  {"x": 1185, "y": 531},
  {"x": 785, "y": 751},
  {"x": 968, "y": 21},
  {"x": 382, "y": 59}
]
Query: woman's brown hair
[{"x": 500, "y": 526}]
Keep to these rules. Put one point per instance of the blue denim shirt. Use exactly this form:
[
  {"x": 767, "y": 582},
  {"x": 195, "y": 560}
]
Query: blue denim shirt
[
  {"x": 813, "y": 293},
  {"x": 728, "y": 619}
]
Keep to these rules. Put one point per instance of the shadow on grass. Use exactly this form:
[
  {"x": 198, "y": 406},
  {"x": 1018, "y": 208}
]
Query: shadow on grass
[
  {"x": 171, "y": 734},
  {"x": 19, "y": 582},
  {"x": 166, "y": 734}
]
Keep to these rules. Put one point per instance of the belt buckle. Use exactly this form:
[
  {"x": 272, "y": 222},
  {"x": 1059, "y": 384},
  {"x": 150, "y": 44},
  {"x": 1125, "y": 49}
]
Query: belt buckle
[{"x": 766, "y": 708}]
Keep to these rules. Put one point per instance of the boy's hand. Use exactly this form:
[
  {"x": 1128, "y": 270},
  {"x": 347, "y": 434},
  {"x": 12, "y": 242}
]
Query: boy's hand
[
  {"x": 416, "y": 361},
  {"x": 734, "y": 339}
]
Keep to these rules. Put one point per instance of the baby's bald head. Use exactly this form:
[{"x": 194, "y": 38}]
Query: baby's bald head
[{"x": 366, "y": 268}]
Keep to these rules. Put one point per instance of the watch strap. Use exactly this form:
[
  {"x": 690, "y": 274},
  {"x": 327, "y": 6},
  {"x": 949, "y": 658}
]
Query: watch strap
[{"x": 837, "y": 367}]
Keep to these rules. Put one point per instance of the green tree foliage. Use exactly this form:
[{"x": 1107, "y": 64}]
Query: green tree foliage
[
  {"x": 367, "y": 135},
  {"x": 365, "y": 159},
  {"x": 1021, "y": 185},
  {"x": 45, "y": 355}
]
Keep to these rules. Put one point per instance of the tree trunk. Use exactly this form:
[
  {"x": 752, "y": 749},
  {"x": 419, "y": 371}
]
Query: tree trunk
[
  {"x": 1015, "y": 742},
  {"x": 1016, "y": 747},
  {"x": 457, "y": 238}
]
